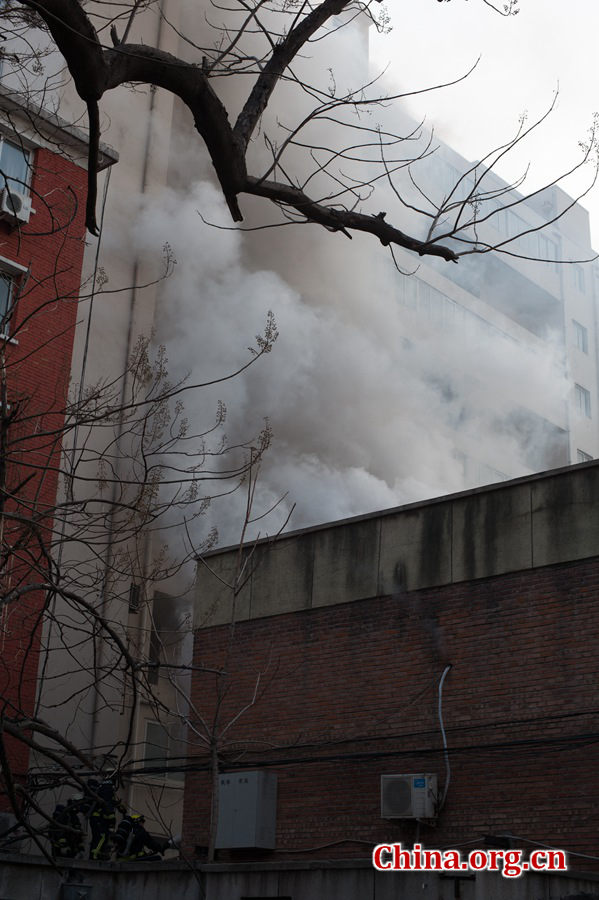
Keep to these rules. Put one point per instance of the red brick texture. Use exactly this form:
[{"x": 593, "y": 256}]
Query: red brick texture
[
  {"x": 37, "y": 364},
  {"x": 350, "y": 692}
]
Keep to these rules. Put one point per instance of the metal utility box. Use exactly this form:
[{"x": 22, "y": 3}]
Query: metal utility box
[
  {"x": 76, "y": 891},
  {"x": 409, "y": 796},
  {"x": 247, "y": 813}
]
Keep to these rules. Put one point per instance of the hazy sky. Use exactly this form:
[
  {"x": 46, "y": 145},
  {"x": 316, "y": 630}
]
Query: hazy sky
[{"x": 549, "y": 44}]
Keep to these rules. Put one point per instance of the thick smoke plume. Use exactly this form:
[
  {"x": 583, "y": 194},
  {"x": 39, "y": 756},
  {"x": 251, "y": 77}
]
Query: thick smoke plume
[{"x": 371, "y": 404}]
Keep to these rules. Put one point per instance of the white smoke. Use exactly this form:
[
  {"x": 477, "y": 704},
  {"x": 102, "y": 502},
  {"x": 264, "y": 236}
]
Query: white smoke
[{"x": 369, "y": 404}]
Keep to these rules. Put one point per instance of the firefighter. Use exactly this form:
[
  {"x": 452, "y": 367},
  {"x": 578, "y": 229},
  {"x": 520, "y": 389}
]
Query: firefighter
[
  {"x": 133, "y": 842},
  {"x": 102, "y": 819},
  {"x": 88, "y": 801},
  {"x": 65, "y": 832}
]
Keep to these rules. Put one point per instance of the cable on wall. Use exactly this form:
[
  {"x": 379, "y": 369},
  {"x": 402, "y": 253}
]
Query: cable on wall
[{"x": 444, "y": 736}]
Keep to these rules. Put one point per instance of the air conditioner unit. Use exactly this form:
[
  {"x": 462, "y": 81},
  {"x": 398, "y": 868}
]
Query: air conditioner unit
[
  {"x": 409, "y": 796},
  {"x": 14, "y": 205}
]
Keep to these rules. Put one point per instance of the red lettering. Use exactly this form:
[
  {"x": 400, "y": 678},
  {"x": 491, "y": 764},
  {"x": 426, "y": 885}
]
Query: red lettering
[
  {"x": 451, "y": 860},
  {"x": 556, "y": 859},
  {"x": 494, "y": 857},
  {"x": 401, "y": 858},
  {"x": 432, "y": 860},
  {"x": 377, "y": 857},
  {"x": 478, "y": 860},
  {"x": 417, "y": 862},
  {"x": 538, "y": 860},
  {"x": 511, "y": 864}
]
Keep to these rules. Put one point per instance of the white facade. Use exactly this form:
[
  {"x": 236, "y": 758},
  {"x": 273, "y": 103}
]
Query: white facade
[{"x": 544, "y": 314}]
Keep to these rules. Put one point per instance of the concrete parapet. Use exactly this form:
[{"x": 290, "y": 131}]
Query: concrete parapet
[{"x": 526, "y": 523}]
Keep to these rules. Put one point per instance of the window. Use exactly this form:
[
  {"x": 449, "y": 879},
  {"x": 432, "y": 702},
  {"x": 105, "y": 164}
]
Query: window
[
  {"x": 582, "y": 400},
  {"x": 549, "y": 249},
  {"x": 581, "y": 336},
  {"x": 154, "y": 656},
  {"x": 14, "y": 166},
  {"x": 13, "y": 277},
  {"x": 134, "y": 597},
  {"x": 6, "y": 292},
  {"x": 578, "y": 275},
  {"x": 164, "y": 747},
  {"x": 581, "y": 456}
]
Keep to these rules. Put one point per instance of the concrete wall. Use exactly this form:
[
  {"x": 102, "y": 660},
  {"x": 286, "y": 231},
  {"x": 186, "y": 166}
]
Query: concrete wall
[
  {"x": 292, "y": 881},
  {"x": 35, "y": 879},
  {"x": 342, "y": 881},
  {"x": 530, "y": 522}
]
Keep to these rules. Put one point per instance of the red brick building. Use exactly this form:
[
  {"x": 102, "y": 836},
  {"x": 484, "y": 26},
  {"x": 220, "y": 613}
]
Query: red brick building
[
  {"x": 42, "y": 240},
  {"x": 337, "y": 672}
]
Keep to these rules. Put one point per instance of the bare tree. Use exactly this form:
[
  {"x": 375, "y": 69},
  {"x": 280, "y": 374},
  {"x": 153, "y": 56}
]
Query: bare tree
[
  {"x": 87, "y": 480},
  {"x": 262, "y": 46}
]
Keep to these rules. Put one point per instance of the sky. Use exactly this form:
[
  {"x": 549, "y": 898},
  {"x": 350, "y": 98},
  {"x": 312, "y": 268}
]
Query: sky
[{"x": 550, "y": 44}]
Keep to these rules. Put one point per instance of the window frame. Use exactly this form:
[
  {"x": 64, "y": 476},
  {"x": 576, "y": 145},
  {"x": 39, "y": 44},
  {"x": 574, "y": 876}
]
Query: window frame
[
  {"x": 16, "y": 272},
  {"x": 579, "y": 277},
  {"x": 156, "y": 760},
  {"x": 582, "y": 400},
  {"x": 582, "y": 336},
  {"x": 23, "y": 187}
]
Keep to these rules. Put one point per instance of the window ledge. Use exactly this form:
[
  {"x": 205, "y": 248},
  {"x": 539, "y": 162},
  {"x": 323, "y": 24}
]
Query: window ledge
[{"x": 9, "y": 340}]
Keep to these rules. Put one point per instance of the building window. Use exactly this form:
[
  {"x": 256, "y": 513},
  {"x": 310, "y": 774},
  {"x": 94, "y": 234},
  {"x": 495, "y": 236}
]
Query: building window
[
  {"x": 13, "y": 278},
  {"x": 581, "y": 336},
  {"x": 6, "y": 298},
  {"x": 578, "y": 274},
  {"x": 582, "y": 400},
  {"x": 549, "y": 249},
  {"x": 154, "y": 656},
  {"x": 14, "y": 166},
  {"x": 164, "y": 750},
  {"x": 581, "y": 456},
  {"x": 134, "y": 597}
]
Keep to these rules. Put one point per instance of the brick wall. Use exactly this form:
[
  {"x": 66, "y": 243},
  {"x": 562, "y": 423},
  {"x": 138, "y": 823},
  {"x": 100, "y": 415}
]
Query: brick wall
[
  {"x": 349, "y": 692},
  {"x": 38, "y": 363}
]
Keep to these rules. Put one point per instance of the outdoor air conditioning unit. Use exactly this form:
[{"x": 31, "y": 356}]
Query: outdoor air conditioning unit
[
  {"x": 14, "y": 205},
  {"x": 409, "y": 796}
]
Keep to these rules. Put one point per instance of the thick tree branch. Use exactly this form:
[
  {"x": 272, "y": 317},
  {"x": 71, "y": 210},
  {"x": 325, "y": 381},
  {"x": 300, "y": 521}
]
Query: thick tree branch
[
  {"x": 342, "y": 220},
  {"x": 77, "y": 40},
  {"x": 97, "y": 69},
  {"x": 283, "y": 55},
  {"x": 148, "y": 65},
  {"x": 93, "y": 114}
]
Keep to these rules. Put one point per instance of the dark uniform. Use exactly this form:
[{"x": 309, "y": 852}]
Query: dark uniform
[
  {"x": 67, "y": 842},
  {"x": 102, "y": 819},
  {"x": 132, "y": 841}
]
